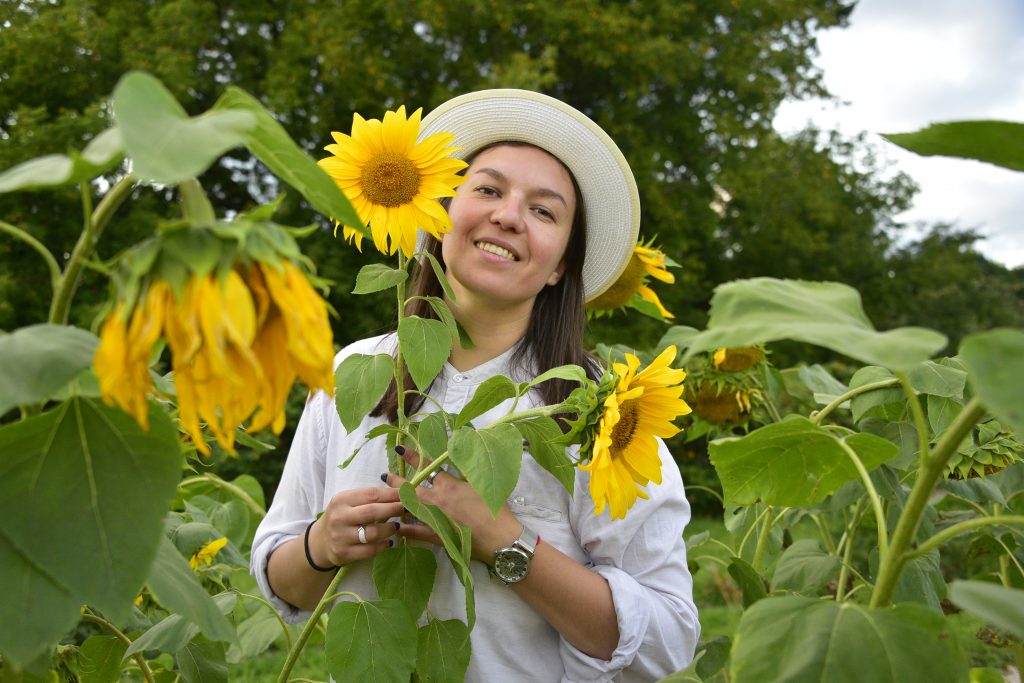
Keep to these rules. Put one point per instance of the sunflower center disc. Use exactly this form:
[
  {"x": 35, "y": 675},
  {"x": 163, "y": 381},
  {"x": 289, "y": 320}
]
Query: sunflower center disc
[
  {"x": 390, "y": 179},
  {"x": 622, "y": 433}
]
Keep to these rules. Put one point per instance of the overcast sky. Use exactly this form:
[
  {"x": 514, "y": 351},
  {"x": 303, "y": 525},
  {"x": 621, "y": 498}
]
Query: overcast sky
[{"x": 903, "y": 64}]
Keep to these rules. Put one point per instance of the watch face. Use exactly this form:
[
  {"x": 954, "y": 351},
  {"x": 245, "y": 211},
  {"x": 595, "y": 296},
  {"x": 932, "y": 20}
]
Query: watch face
[{"x": 511, "y": 564}]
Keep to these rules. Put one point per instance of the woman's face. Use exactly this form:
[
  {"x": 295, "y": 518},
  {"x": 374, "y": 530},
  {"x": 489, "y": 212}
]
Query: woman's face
[{"x": 511, "y": 219}]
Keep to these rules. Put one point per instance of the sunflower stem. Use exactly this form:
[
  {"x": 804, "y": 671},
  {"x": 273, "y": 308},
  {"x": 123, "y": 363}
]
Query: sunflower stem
[
  {"x": 139, "y": 659},
  {"x": 314, "y": 619},
  {"x": 93, "y": 224},
  {"x": 397, "y": 464},
  {"x": 51, "y": 262},
  {"x": 856, "y": 391}
]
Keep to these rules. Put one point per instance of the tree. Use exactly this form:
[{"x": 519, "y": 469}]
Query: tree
[{"x": 681, "y": 87}]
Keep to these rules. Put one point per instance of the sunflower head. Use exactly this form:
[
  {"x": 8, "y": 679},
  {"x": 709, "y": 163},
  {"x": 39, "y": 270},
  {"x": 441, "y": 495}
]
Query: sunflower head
[
  {"x": 990, "y": 450},
  {"x": 206, "y": 554},
  {"x": 393, "y": 181},
  {"x": 720, "y": 405},
  {"x": 737, "y": 359},
  {"x": 241, "y": 321},
  {"x": 631, "y": 288},
  {"x": 623, "y": 454}
]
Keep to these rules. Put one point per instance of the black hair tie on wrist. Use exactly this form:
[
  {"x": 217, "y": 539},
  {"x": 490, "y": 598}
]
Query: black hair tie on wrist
[{"x": 309, "y": 556}]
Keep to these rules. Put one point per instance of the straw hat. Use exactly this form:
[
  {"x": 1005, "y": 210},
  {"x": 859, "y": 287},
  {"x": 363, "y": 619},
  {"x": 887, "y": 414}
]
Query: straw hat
[{"x": 606, "y": 182}]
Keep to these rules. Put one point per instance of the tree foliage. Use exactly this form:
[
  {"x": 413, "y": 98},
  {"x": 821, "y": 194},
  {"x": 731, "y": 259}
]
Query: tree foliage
[{"x": 688, "y": 90}]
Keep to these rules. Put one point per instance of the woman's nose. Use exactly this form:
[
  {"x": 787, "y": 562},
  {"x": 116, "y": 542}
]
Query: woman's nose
[{"x": 508, "y": 214}]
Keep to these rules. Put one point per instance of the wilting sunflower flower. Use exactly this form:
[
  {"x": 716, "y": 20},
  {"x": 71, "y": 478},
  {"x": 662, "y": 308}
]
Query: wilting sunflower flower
[
  {"x": 393, "y": 181},
  {"x": 206, "y": 554},
  {"x": 237, "y": 343},
  {"x": 625, "y": 455},
  {"x": 646, "y": 262},
  {"x": 738, "y": 358},
  {"x": 722, "y": 406}
]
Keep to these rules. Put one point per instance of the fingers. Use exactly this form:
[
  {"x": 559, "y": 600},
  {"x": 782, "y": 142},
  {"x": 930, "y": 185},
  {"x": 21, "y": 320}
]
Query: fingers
[{"x": 420, "y": 532}]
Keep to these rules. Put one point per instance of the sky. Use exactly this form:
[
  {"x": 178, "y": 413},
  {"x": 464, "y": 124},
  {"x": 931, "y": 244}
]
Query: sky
[{"x": 902, "y": 64}]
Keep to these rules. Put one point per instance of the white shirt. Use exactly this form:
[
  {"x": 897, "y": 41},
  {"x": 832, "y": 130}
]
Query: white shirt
[{"x": 642, "y": 557}]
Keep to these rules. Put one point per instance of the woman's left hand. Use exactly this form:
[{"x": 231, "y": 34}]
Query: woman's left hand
[{"x": 464, "y": 505}]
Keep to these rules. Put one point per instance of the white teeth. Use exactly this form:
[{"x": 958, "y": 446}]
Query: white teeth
[{"x": 495, "y": 249}]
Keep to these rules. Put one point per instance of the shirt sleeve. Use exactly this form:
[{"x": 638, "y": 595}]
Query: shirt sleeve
[
  {"x": 643, "y": 558},
  {"x": 298, "y": 500}
]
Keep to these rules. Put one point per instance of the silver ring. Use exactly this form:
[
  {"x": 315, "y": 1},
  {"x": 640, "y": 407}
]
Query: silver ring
[
  {"x": 428, "y": 482},
  {"x": 362, "y": 534}
]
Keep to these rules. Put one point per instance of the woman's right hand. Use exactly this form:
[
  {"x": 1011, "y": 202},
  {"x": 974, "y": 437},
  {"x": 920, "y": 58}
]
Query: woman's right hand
[{"x": 334, "y": 538}]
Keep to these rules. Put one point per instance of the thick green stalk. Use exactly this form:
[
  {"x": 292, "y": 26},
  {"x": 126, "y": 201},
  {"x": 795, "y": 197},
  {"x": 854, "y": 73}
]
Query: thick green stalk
[
  {"x": 95, "y": 222},
  {"x": 928, "y": 474},
  {"x": 314, "y": 619},
  {"x": 139, "y": 659},
  {"x": 857, "y": 391},
  {"x": 762, "y": 542},
  {"x": 51, "y": 262}
]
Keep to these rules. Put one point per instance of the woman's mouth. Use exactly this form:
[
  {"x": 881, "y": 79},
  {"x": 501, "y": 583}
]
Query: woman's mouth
[{"x": 496, "y": 250}]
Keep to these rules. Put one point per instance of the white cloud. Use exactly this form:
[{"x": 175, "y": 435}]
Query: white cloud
[{"x": 900, "y": 66}]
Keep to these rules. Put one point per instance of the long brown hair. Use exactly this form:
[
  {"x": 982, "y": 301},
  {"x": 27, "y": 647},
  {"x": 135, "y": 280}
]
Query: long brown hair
[{"x": 554, "y": 335}]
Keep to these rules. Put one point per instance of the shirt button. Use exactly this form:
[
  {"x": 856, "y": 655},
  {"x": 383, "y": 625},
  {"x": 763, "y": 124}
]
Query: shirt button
[
  {"x": 519, "y": 500},
  {"x": 457, "y": 378}
]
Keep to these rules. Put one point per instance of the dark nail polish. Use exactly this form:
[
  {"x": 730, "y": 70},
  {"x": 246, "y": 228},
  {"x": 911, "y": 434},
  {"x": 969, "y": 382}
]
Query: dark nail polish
[
  {"x": 391, "y": 543},
  {"x": 400, "y": 450},
  {"x": 384, "y": 477},
  {"x": 398, "y": 525}
]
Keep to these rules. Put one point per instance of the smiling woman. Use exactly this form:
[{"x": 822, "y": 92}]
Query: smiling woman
[{"x": 545, "y": 219}]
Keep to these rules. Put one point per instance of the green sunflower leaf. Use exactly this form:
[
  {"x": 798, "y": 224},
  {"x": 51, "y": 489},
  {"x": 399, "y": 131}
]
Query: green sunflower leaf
[
  {"x": 792, "y": 463},
  {"x": 491, "y": 392},
  {"x": 426, "y": 346},
  {"x": 52, "y": 170},
  {"x": 360, "y": 381},
  {"x": 995, "y": 361},
  {"x": 828, "y": 314},
  {"x": 443, "y": 651},
  {"x": 995, "y": 142},
  {"x": 806, "y": 639},
  {"x": 271, "y": 144},
  {"x": 490, "y": 459},
  {"x": 371, "y": 641},
  {"x": 405, "y": 574},
  {"x": 38, "y": 360},
  {"x": 164, "y": 144},
  {"x": 376, "y": 277}
]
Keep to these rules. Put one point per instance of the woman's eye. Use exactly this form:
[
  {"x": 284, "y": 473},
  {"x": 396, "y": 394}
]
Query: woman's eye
[
  {"x": 544, "y": 213},
  {"x": 487, "y": 191}
]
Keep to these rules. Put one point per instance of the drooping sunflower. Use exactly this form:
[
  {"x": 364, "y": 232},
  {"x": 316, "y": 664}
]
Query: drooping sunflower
[
  {"x": 646, "y": 262},
  {"x": 237, "y": 338},
  {"x": 722, "y": 406},
  {"x": 393, "y": 181},
  {"x": 625, "y": 455},
  {"x": 737, "y": 359}
]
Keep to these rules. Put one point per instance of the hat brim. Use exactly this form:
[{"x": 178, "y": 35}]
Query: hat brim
[{"x": 610, "y": 196}]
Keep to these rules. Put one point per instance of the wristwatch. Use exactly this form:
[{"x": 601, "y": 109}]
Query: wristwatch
[{"x": 512, "y": 563}]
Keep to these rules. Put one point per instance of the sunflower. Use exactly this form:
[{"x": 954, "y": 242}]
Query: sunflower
[
  {"x": 393, "y": 181},
  {"x": 237, "y": 344},
  {"x": 738, "y": 358},
  {"x": 722, "y": 406},
  {"x": 644, "y": 263},
  {"x": 206, "y": 554},
  {"x": 625, "y": 450}
]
